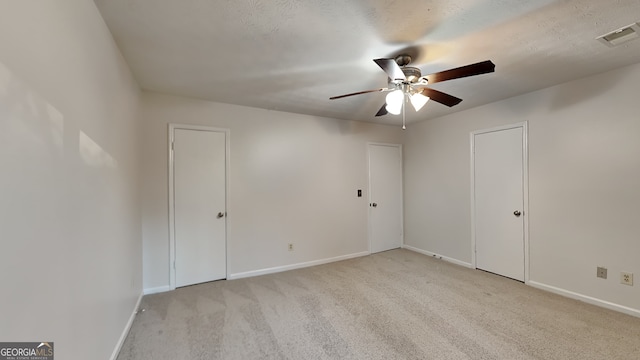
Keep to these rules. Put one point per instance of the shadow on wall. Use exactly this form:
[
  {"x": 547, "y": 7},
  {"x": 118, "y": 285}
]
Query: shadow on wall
[
  {"x": 27, "y": 115},
  {"x": 93, "y": 154}
]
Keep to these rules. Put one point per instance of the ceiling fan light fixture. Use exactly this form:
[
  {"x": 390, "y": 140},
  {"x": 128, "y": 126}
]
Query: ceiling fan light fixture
[
  {"x": 395, "y": 110},
  {"x": 418, "y": 101},
  {"x": 394, "y": 101}
]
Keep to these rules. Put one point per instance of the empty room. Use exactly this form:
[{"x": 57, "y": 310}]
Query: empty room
[{"x": 316, "y": 179}]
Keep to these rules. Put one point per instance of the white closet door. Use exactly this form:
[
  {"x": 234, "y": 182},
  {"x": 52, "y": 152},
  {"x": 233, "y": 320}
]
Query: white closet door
[
  {"x": 385, "y": 197},
  {"x": 199, "y": 161},
  {"x": 499, "y": 202}
]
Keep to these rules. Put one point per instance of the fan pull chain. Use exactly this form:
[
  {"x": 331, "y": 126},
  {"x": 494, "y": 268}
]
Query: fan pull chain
[{"x": 404, "y": 127}]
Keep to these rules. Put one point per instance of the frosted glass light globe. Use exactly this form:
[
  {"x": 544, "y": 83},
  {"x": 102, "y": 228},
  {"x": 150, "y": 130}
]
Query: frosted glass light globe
[
  {"x": 418, "y": 100},
  {"x": 394, "y": 102}
]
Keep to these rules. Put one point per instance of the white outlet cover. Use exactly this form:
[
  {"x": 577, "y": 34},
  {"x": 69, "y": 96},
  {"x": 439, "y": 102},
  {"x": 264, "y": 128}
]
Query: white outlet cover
[{"x": 626, "y": 278}]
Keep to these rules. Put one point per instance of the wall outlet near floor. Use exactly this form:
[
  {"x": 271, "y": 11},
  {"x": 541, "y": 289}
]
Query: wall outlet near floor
[
  {"x": 290, "y": 247},
  {"x": 626, "y": 278},
  {"x": 602, "y": 272}
]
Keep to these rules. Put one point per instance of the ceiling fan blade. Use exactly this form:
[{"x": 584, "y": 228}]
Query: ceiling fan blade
[
  {"x": 463, "y": 71},
  {"x": 390, "y": 66},
  {"x": 383, "y": 110},
  {"x": 439, "y": 96},
  {"x": 357, "y": 93}
]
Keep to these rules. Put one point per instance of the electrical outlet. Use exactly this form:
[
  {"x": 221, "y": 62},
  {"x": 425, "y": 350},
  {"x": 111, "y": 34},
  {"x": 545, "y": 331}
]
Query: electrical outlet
[
  {"x": 626, "y": 278},
  {"x": 290, "y": 247},
  {"x": 602, "y": 272}
]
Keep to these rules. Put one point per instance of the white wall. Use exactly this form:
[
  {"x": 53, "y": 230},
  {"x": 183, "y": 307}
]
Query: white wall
[
  {"x": 293, "y": 179},
  {"x": 584, "y": 171},
  {"x": 69, "y": 212}
]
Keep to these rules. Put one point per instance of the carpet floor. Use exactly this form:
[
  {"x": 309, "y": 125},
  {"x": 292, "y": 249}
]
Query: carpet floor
[{"x": 392, "y": 305}]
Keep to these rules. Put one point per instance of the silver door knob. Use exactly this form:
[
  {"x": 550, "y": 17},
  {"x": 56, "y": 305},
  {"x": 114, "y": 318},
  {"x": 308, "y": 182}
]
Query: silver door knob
[
  {"x": 517, "y": 213},
  {"x": 220, "y": 215},
  {"x": 374, "y": 205}
]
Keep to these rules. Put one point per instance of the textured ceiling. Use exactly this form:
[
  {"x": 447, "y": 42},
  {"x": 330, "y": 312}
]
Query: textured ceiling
[{"x": 292, "y": 55}]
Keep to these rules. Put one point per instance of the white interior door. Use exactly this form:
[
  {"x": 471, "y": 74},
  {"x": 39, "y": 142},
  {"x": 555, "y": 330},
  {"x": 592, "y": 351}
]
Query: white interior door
[
  {"x": 499, "y": 202},
  {"x": 199, "y": 199},
  {"x": 385, "y": 197}
]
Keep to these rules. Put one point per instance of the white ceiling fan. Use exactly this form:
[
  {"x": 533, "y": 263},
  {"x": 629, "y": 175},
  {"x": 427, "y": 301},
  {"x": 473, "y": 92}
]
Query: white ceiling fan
[{"x": 406, "y": 84}]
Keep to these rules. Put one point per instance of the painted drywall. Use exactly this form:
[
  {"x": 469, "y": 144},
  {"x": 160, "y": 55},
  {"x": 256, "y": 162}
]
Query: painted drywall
[
  {"x": 71, "y": 267},
  {"x": 293, "y": 179},
  {"x": 584, "y": 171}
]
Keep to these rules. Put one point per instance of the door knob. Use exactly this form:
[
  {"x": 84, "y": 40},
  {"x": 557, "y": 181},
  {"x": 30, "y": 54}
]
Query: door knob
[
  {"x": 374, "y": 205},
  {"x": 220, "y": 215},
  {"x": 517, "y": 213}
]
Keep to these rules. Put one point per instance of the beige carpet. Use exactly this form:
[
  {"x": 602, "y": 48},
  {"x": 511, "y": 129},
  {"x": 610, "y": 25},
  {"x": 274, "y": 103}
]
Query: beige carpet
[{"x": 392, "y": 305}]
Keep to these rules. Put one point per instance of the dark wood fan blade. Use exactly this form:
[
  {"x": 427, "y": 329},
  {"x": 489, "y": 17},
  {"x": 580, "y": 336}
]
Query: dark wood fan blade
[
  {"x": 391, "y": 68},
  {"x": 383, "y": 110},
  {"x": 463, "y": 71},
  {"x": 442, "y": 98},
  {"x": 357, "y": 93}
]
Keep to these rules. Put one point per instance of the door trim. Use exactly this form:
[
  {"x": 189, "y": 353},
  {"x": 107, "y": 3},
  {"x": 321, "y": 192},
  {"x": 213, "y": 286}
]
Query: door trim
[
  {"x": 172, "y": 238},
  {"x": 525, "y": 190},
  {"x": 369, "y": 224}
]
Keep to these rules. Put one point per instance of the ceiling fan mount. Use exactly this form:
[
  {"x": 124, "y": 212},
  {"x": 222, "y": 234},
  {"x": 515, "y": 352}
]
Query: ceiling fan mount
[{"x": 403, "y": 59}]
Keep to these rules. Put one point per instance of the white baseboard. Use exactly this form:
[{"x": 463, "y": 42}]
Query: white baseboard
[
  {"x": 445, "y": 258},
  {"x": 125, "y": 332},
  {"x": 294, "y": 266},
  {"x": 156, "y": 290},
  {"x": 585, "y": 298}
]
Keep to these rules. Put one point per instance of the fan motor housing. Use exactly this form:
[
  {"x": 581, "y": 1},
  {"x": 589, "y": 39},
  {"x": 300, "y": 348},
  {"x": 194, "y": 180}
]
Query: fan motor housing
[{"x": 411, "y": 73}]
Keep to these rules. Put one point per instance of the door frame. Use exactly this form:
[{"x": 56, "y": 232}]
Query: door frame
[
  {"x": 369, "y": 223},
  {"x": 525, "y": 190},
  {"x": 172, "y": 238}
]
